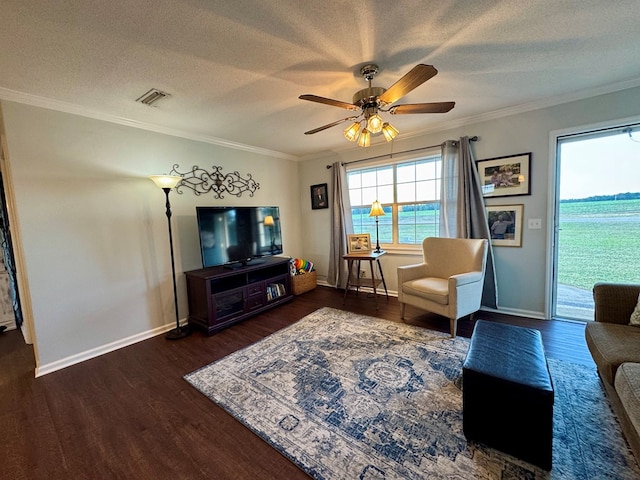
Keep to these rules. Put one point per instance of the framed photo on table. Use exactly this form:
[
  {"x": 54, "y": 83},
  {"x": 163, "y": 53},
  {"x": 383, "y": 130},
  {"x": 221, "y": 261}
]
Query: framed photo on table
[
  {"x": 319, "y": 197},
  {"x": 505, "y": 225},
  {"x": 505, "y": 176},
  {"x": 359, "y": 243}
]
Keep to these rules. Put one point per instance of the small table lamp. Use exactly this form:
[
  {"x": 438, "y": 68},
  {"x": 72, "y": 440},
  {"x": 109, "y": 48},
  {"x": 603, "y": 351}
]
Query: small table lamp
[{"x": 376, "y": 211}]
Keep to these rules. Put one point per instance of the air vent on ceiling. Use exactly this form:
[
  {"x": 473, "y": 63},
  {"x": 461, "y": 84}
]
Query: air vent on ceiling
[{"x": 152, "y": 96}]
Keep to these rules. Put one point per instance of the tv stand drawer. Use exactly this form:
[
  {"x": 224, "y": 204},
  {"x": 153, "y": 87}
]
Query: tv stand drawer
[{"x": 255, "y": 289}]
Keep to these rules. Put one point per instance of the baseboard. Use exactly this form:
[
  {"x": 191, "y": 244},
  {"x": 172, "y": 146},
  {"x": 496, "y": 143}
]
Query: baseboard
[
  {"x": 391, "y": 293},
  {"x": 507, "y": 311},
  {"x": 515, "y": 312},
  {"x": 96, "y": 352}
]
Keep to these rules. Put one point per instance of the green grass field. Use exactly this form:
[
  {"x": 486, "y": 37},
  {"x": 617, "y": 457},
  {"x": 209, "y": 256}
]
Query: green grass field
[
  {"x": 414, "y": 226},
  {"x": 599, "y": 241}
]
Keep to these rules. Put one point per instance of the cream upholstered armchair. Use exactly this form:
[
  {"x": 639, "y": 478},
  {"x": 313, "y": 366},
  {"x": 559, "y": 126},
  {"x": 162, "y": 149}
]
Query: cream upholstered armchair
[{"x": 449, "y": 282}]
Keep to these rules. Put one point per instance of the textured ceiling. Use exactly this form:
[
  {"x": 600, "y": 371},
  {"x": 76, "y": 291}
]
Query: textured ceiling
[{"x": 235, "y": 69}]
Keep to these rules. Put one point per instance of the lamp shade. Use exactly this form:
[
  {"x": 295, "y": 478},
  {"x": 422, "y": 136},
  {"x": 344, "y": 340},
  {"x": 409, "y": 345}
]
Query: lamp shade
[
  {"x": 365, "y": 138},
  {"x": 166, "y": 181},
  {"x": 268, "y": 221},
  {"x": 376, "y": 209},
  {"x": 389, "y": 131},
  {"x": 351, "y": 132},
  {"x": 374, "y": 123}
]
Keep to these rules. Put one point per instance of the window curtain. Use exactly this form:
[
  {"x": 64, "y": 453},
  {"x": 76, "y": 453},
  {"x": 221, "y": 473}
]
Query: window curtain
[
  {"x": 341, "y": 226},
  {"x": 462, "y": 208}
]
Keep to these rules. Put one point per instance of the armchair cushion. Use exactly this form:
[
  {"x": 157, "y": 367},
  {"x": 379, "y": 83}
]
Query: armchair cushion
[{"x": 434, "y": 289}]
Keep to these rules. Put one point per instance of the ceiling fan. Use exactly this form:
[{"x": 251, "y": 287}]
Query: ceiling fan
[{"x": 372, "y": 100}]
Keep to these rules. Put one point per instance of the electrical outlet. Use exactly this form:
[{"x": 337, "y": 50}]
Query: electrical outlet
[
  {"x": 363, "y": 274},
  {"x": 535, "y": 223}
]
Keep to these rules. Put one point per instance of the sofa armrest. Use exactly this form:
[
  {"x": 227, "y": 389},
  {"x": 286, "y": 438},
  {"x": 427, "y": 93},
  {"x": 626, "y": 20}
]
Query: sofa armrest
[{"x": 614, "y": 302}]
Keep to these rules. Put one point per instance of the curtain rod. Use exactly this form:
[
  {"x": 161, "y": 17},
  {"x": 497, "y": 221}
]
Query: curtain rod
[{"x": 471, "y": 139}]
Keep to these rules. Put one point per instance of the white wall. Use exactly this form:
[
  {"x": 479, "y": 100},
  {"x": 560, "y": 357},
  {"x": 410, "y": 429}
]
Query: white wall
[
  {"x": 93, "y": 232},
  {"x": 521, "y": 271}
]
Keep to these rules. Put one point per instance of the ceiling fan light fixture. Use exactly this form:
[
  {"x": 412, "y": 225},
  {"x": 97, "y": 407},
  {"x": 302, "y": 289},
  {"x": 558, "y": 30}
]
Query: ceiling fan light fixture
[
  {"x": 389, "y": 131},
  {"x": 351, "y": 132},
  {"x": 373, "y": 100},
  {"x": 375, "y": 123}
]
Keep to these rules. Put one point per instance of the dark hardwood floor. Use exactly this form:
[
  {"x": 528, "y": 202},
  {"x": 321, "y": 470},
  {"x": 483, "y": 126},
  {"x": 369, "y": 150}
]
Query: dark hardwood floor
[{"x": 129, "y": 414}]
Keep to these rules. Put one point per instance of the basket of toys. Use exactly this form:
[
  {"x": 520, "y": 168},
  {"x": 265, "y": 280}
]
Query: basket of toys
[{"x": 303, "y": 276}]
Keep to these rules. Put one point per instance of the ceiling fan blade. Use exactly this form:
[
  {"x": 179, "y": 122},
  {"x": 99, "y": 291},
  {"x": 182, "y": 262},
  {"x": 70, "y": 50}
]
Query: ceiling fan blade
[
  {"x": 329, "y": 125},
  {"x": 437, "y": 107},
  {"x": 416, "y": 77},
  {"x": 329, "y": 101}
]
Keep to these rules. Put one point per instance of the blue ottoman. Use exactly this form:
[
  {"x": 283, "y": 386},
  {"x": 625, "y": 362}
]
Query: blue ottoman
[{"x": 507, "y": 392}]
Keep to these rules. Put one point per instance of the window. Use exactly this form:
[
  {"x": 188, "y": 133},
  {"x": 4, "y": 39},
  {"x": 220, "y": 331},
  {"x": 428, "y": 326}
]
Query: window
[{"x": 409, "y": 192}]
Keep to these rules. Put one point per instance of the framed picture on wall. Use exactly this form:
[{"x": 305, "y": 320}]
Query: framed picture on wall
[
  {"x": 505, "y": 176},
  {"x": 319, "y": 197},
  {"x": 505, "y": 225},
  {"x": 359, "y": 243}
]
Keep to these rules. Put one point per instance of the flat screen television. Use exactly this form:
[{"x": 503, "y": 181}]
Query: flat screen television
[{"x": 234, "y": 236}]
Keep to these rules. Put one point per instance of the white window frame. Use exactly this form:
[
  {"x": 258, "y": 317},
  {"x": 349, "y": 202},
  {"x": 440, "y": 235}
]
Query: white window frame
[{"x": 432, "y": 154}]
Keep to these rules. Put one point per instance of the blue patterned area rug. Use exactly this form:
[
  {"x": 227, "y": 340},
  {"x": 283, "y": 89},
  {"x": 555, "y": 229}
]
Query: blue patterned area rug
[{"x": 347, "y": 396}]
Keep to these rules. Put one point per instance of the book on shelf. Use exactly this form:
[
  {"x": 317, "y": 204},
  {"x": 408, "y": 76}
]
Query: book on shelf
[{"x": 275, "y": 290}]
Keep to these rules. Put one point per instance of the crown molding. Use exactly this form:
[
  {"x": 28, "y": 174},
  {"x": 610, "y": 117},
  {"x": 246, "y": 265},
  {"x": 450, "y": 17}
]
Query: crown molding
[
  {"x": 43, "y": 102},
  {"x": 50, "y": 104}
]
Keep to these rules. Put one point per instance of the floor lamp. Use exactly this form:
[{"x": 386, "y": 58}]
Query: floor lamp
[
  {"x": 166, "y": 183},
  {"x": 376, "y": 211}
]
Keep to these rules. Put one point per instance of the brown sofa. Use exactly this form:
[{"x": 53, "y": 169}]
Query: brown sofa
[{"x": 615, "y": 348}]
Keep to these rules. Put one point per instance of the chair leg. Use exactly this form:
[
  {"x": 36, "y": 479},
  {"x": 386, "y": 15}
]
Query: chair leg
[
  {"x": 453, "y": 326},
  {"x": 402, "y": 310}
]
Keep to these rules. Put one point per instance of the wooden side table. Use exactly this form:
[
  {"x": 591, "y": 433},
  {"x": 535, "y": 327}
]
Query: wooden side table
[{"x": 357, "y": 282}]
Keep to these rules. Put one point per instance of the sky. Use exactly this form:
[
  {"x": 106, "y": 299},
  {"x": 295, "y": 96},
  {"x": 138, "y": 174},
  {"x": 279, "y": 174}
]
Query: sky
[{"x": 600, "y": 166}]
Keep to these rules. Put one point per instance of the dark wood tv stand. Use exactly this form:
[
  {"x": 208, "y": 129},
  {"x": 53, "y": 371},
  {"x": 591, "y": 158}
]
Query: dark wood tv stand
[{"x": 219, "y": 297}]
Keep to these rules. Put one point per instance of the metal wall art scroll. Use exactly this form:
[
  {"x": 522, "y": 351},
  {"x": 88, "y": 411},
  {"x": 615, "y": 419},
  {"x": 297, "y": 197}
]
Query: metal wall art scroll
[{"x": 201, "y": 181}]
